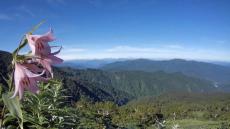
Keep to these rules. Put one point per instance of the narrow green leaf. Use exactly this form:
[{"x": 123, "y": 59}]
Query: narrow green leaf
[
  {"x": 11, "y": 127},
  {"x": 37, "y": 26},
  {"x": 8, "y": 119},
  {"x": 13, "y": 105},
  {"x": 31, "y": 120}
]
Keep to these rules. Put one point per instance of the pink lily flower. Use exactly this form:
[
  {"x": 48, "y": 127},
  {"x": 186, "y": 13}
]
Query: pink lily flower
[
  {"x": 33, "y": 67},
  {"x": 25, "y": 79},
  {"x": 42, "y": 51},
  {"x": 39, "y": 43}
]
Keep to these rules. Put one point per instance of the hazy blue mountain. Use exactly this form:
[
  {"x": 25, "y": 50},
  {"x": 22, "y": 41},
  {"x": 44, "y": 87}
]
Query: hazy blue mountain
[
  {"x": 221, "y": 63},
  {"x": 91, "y": 63},
  {"x": 208, "y": 71}
]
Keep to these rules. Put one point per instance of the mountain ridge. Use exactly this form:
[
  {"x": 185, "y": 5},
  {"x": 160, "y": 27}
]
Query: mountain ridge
[{"x": 204, "y": 70}]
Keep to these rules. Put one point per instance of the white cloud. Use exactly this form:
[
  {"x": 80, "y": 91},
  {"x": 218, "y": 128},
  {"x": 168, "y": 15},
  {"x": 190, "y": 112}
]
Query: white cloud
[
  {"x": 221, "y": 42},
  {"x": 26, "y": 10},
  {"x": 174, "y": 46},
  {"x": 127, "y": 49},
  {"x": 14, "y": 13},
  {"x": 160, "y": 52},
  {"x": 68, "y": 50},
  {"x": 70, "y": 53},
  {"x": 5, "y": 17}
]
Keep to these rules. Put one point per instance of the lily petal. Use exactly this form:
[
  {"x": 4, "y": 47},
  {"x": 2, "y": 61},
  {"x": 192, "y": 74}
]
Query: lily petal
[
  {"x": 58, "y": 51},
  {"x": 49, "y": 36},
  {"x": 32, "y": 75},
  {"x": 16, "y": 90},
  {"x": 21, "y": 92},
  {"x": 33, "y": 88},
  {"x": 18, "y": 76},
  {"x": 55, "y": 60},
  {"x": 31, "y": 42}
]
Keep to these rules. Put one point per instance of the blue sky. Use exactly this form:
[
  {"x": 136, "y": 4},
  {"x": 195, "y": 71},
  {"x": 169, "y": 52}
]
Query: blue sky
[{"x": 155, "y": 29}]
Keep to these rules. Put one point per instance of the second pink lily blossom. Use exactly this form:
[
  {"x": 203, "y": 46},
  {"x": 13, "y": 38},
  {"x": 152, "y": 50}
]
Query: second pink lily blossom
[
  {"x": 25, "y": 79},
  {"x": 42, "y": 51}
]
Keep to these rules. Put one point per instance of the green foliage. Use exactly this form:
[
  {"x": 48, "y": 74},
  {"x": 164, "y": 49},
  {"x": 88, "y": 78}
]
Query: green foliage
[
  {"x": 97, "y": 115},
  {"x": 49, "y": 108}
]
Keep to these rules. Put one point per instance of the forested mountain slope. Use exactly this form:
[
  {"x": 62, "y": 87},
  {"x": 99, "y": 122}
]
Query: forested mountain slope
[{"x": 208, "y": 71}]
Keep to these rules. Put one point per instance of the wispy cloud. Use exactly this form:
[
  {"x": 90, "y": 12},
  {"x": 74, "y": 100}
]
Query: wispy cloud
[
  {"x": 71, "y": 53},
  {"x": 5, "y": 17},
  {"x": 26, "y": 10},
  {"x": 19, "y": 11},
  {"x": 70, "y": 50},
  {"x": 174, "y": 46},
  {"x": 160, "y": 52},
  {"x": 128, "y": 49},
  {"x": 221, "y": 42},
  {"x": 168, "y": 52}
]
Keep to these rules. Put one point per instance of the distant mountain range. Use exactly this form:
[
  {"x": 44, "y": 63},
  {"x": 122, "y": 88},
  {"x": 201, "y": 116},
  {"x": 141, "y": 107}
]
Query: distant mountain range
[
  {"x": 84, "y": 64},
  {"x": 218, "y": 72},
  {"x": 221, "y": 63},
  {"x": 123, "y": 81},
  {"x": 202, "y": 70},
  {"x": 98, "y": 63}
]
